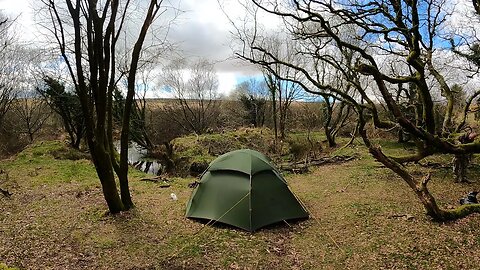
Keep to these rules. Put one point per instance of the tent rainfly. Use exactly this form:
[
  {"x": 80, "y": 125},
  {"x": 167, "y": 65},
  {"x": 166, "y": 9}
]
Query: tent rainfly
[{"x": 242, "y": 188}]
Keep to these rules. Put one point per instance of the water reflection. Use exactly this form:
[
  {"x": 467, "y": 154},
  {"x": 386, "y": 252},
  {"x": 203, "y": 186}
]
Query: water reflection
[
  {"x": 151, "y": 167},
  {"x": 136, "y": 158}
]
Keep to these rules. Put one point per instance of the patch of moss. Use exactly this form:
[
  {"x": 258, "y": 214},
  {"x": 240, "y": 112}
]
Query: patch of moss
[
  {"x": 462, "y": 211},
  {"x": 95, "y": 214},
  {"x": 200, "y": 150},
  {"x": 5, "y": 267},
  {"x": 70, "y": 154},
  {"x": 51, "y": 149},
  {"x": 104, "y": 242},
  {"x": 52, "y": 172}
]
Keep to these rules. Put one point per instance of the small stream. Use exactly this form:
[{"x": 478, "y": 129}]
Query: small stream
[{"x": 137, "y": 158}]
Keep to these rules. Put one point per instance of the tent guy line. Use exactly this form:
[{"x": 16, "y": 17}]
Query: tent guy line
[{"x": 210, "y": 223}]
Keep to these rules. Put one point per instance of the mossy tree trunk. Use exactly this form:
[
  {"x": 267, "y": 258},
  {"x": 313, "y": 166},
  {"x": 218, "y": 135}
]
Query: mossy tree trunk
[
  {"x": 419, "y": 186},
  {"x": 103, "y": 166}
]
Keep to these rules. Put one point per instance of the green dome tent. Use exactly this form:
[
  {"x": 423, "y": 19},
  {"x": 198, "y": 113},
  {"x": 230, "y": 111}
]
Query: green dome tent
[{"x": 242, "y": 188}]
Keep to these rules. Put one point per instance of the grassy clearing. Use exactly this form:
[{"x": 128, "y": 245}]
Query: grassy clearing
[{"x": 365, "y": 218}]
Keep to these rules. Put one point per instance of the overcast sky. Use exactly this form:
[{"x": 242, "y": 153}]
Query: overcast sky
[{"x": 202, "y": 30}]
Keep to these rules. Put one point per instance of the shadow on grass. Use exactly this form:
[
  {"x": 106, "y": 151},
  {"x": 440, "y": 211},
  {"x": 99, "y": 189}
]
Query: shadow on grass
[{"x": 277, "y": 226}]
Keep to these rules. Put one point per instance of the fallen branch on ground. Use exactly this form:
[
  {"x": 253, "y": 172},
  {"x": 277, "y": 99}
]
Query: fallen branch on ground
[
  {"x": 403, "y": 216},
  {"x": 156, "y": 179},
  {"x": 159, "y": 180},
  {"x": 436, "y": 165},
  {"x": 302, "y": 166}
]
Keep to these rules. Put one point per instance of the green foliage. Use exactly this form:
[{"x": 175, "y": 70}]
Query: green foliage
[
  {"x": 301, "y": 144},
  {"x": 299, "y": 148},
  {"x": 67, "y": 105},
  {"x": 255, "y": 108}
]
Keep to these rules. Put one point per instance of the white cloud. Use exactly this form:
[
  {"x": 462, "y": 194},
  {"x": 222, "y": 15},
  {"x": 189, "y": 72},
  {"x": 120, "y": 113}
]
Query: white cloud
[
  {"x": 202, "y": 31},
  {"x": 14, "y": 6},
  {"x": 227, "y": 82},
  {"x": 22, "y": 12}
]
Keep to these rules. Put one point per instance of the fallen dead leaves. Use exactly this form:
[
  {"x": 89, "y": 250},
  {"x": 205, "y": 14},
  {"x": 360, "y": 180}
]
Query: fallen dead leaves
[{"x": 365, "y": 218}]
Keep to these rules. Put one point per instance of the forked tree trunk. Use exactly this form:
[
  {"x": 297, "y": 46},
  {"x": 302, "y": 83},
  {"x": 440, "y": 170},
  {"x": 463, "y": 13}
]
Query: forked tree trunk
[
  {"x": 95, "y": 33},
  {"x": 103, "y": 166}
]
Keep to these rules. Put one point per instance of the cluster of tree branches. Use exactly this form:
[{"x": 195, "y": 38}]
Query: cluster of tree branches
[
  {"x": 362, "y": 54},
  {"x": 18, "y": 108}
]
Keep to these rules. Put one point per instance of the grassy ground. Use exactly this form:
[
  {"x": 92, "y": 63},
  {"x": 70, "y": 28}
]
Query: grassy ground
[{"x": 363, "y": 217}]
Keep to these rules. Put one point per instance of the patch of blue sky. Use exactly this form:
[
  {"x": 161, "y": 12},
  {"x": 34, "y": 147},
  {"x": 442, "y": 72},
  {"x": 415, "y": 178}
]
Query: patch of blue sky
[{"x": 242, "y": 78}]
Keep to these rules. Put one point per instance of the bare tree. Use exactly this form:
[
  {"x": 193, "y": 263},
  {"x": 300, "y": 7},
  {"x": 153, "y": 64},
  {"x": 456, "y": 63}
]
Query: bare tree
[
  {"x": 29, "y": 110},
  {"x": 87, "y": 34},
  {"x": 195, "y": 92},
  {"x": 283, "y": 92},
  {"x": 336, "y": 114},
  {"x": 336, "y": 111},
  {"x": 405, "y": 33},
  {"x": 311, "y": 117},
  {"x": 139, "y": 129},
  {"x": 26, "y": 114},
  {"x": 32, "y": 112},
  {"x": 9, "y": 66},
  {"x": 142, "y": 131},
  {"x": 472, "y": 55}
]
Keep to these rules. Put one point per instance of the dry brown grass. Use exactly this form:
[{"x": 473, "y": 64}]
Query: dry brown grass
[{"x": 57, "y": 219}]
